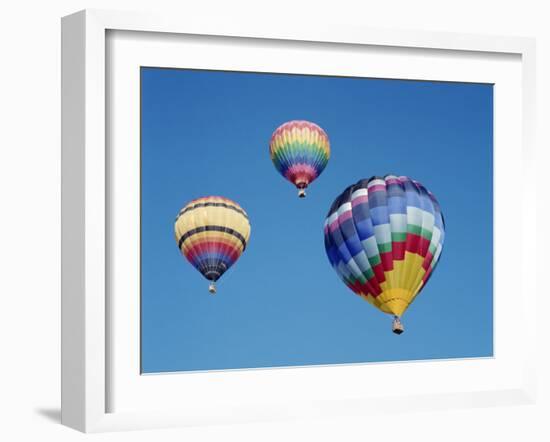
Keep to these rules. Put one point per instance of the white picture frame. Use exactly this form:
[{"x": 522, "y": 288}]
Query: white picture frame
[{"x": 87, "y": 313}]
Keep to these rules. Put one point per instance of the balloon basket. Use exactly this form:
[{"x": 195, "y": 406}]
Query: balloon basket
[
  {"x": 397, "y": 326},
  {"x": 212, "y": 288},
  {"x": 301, "y": 193}
]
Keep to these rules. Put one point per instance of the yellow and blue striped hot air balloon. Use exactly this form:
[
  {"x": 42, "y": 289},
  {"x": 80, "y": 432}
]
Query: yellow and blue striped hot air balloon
[
  {"x": 300, "y": 151},
  {"x": 212, "y": 233},
  {"x": 384, "y": 237}
]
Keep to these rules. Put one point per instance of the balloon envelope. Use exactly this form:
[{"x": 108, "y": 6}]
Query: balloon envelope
[
  {"x": 212, "y": 233},
  {"x": 300, "y": 151},
  {"x": 384, "y": 237}
]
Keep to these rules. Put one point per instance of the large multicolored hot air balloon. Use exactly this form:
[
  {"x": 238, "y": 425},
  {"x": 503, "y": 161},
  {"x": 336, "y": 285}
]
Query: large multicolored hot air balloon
[
  {"x": 300, "y": 151},
  {"x": 212, "y": 233},
  {"x": 384, "y": 237}
]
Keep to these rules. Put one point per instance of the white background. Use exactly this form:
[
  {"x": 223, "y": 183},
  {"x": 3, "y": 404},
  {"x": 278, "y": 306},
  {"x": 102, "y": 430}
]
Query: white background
[{"x": 30, "y": 219}]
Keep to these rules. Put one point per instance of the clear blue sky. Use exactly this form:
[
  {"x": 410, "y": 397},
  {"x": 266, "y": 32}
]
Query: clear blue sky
[{"x": 207, "y": 133}]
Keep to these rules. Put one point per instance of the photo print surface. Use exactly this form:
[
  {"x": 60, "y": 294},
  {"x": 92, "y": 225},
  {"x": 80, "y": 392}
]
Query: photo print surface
[{"x": 289, "y": 220}]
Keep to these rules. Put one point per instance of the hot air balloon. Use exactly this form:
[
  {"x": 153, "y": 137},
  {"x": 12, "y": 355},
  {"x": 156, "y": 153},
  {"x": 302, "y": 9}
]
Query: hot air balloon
[
  {"x": 300, "y": 151},
  {"x": 212, "y": 233},
  {"x": 384, "y": 237}
]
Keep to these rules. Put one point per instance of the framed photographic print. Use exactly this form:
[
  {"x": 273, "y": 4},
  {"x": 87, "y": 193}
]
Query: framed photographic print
[{"x": 266, "y": 223}]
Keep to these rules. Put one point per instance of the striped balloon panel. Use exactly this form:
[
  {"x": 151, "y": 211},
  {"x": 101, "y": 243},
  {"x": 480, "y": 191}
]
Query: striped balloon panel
[
  {"x": 384, "y": 237},
  {"x": 212, "y": 233},
  {"x": 300, "y": 151}
]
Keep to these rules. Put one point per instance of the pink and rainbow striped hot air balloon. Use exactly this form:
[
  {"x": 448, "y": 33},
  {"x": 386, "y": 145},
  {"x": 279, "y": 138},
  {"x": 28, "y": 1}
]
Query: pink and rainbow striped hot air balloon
[{"x": 300, "y": 151}]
